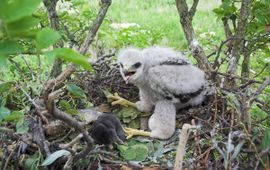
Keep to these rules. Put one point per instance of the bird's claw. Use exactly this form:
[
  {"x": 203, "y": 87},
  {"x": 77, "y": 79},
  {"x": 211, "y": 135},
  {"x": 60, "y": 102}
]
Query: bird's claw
[
  {"x": 134, "y": 132},
  {"x": 120, "y": 100}
]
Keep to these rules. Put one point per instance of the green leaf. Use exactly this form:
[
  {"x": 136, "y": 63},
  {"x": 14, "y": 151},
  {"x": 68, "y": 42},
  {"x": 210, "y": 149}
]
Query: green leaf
[
  {"x": 16, "y": 9},
  {"x": 135, "y": 124},
  {"x": 10, "y": 47},
  {"x": 15, "y": 116},
  {"x": 47, "y": 37},
  {"x": 19, "y": 27},
  {"x": 128, "y": 114},
  {"x": 137, "y": 152},
  {"x": 3, "y": 60},
  {"x": 5, "y": 86},
  {"x": 70, "y": 55},
  {"x": 64, "y": 105},
  {"x": 72, "y": 111},
  {"x": 75, "y": 91},
  {"x": 22, "y": 127},
  {"x": 141, "y": 152},
  {"x": 265, "y": 139},
  {"x": 31, "y": 163},
  {"x": 4, "y": 112},
  {"x": 126, "y": 152},
  {"x": 51, "y": 158}
]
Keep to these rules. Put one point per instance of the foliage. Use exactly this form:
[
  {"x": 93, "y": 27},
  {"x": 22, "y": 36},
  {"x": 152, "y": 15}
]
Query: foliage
[{"x": 28, "y": 49}]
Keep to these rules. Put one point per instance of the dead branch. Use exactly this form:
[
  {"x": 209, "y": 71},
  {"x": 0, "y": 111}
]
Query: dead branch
[
  {"x": 58, "y": 114},
  {"x": 186, "y": 17},
  {"x": 38, "y": 136},
  {"x": 183, "y": 137},
  {"x": 65, "y": 117}
]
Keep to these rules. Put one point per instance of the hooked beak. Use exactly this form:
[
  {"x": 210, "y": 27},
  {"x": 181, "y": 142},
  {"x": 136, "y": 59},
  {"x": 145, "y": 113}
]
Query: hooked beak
[{"x": 128, "y": 74}]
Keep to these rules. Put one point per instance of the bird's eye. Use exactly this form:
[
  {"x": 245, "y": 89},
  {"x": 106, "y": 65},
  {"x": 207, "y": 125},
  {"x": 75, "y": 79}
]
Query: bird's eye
[{"x": 137, "y": 65}]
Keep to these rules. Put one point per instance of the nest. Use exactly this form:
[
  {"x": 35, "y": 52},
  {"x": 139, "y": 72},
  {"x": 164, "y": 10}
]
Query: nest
[{"x": 107, "y": 78}]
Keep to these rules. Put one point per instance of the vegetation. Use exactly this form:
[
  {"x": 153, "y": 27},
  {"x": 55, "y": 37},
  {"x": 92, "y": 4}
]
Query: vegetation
[{"x": 57, "y": 65}]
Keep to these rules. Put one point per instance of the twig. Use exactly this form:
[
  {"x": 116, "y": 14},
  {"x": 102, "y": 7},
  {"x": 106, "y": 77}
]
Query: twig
[
  {"x": 219, "y": 51},
  {"x": 104, "y": 153},
  {"x": 3, "y": 130},
  {"x": 37, "y": 106},
  {"x": 236, "y": 77},
  {"x": 133, "y": 164},
  {"x": 9, "y": 157},
  {"x": 71, "y": 143},
  {"x": 260, "y": 89},
  {"x": 63, "y": 138},
  {"x": 28, "y": 66},
  {"x": 265, "y": 66},
  {"x": 266, "y": 150},
  {"x": 183, "y": 137},
  {"x": 242, "y": 125}
]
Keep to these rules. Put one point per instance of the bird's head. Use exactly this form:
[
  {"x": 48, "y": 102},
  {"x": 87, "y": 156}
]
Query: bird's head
[{"x": 131, "y": 63}]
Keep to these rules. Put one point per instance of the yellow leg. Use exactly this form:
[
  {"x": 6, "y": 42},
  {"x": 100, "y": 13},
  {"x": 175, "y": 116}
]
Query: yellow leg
[
  {"x": 120, "y": 100},
  {"x": 134, "y": 132}
]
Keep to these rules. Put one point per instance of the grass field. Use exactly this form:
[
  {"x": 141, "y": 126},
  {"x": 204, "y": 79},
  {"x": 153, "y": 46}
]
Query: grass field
[{"x": 162, "y": 16}]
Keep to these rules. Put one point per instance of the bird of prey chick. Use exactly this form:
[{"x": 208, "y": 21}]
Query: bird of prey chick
[
  {"x": 166, "y": 80},
  {"x": 106, "y": 130}
]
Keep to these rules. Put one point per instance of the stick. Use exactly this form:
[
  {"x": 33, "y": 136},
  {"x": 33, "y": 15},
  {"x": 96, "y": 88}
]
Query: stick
[{"x": 183, "y": 137}]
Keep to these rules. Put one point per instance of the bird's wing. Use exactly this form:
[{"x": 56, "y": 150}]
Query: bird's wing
[{"x": 174, "y": 80}]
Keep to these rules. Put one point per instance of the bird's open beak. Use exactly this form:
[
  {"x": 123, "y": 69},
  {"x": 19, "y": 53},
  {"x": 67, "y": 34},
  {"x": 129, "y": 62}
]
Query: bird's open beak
[{"x": 128, "y": 74}]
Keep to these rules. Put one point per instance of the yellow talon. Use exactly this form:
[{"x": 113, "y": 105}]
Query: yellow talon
[
  {"x": 120, "y": 100},
  {"x": 134, "y": 132}
]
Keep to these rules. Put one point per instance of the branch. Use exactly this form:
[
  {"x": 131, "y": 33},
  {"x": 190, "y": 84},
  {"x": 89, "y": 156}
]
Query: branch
[
  {"x": 186, "y": 17},
  {"x": 55, "y": 24},
  {"x": 96, "y": 24},
  {"x": 52, "y": 83},
  {"x": 265, "y": 66},
  {"x": 192, "y": 10},
  {"x": 227, "y": 29},
  {"x": 237, "y": 41},
  {"x": 71, "y": 68},
  {"x": 218, "y": 53},
  {"x": 58, "y": 114},
  {"x": 260, "y": 89},
  {"x": 183, "y": 137}
]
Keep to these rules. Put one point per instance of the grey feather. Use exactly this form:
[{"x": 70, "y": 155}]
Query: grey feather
[{"x": 163, "y": 76}]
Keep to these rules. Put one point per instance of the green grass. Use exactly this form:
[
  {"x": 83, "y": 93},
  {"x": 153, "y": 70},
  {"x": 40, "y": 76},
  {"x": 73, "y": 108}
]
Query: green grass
[{"x": 162, "y": 16}]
